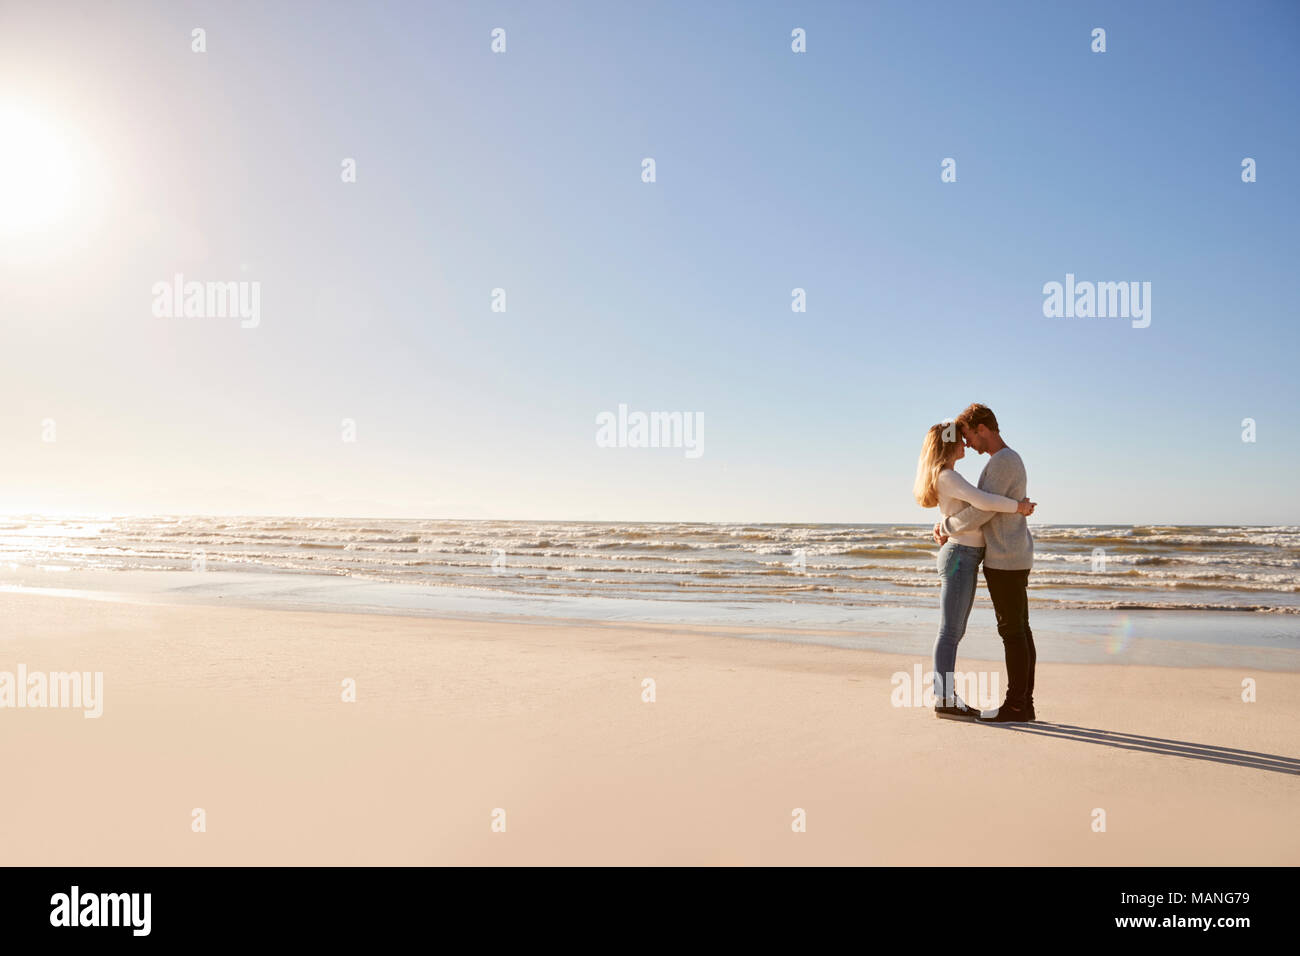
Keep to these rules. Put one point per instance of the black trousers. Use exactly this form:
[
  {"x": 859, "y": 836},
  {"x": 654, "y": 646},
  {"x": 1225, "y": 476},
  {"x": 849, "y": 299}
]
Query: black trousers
[{"x": 1011, "y": 605}]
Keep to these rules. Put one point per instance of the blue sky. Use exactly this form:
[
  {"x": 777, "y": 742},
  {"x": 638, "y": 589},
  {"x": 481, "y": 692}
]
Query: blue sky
[{"x": 775, "y": 170}]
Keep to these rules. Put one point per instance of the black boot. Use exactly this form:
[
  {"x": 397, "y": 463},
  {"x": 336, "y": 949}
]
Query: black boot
[{"x": 1008, "y": 714}]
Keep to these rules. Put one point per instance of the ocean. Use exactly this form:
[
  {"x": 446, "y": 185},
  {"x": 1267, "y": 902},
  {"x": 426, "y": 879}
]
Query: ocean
[
  {"x": 1178, "y": 596},
  {"x": 1094, "y": 567}
]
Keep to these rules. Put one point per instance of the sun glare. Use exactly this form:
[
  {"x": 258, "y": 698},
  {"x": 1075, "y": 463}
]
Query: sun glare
[{"x": 40, "y": 182}]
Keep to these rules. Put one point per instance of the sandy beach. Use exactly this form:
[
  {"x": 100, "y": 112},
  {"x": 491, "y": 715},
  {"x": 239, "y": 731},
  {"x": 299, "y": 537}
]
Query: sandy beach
[{"x": 239, "y": 712}]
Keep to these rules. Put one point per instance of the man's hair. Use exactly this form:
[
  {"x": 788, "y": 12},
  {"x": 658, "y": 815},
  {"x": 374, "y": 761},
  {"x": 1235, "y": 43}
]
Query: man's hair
[{"x": 976, "y": 415}]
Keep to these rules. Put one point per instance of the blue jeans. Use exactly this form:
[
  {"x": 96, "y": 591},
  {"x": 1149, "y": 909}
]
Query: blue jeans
[{"x": 959, "y": 567}]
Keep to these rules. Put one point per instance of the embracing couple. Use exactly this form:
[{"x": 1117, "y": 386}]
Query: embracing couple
[{"x": 980, "y": 524}]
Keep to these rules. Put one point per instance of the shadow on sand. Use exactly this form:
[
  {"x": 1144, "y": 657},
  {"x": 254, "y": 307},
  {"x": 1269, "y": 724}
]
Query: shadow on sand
[{"x": 1159, "y": 745}]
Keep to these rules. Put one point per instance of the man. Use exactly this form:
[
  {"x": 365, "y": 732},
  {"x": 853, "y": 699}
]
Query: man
[{"x": 1008, "y": 556}]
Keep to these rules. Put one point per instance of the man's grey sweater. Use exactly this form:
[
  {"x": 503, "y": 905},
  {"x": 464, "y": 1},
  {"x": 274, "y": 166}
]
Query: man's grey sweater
[{"x": 1008, "y": 545}]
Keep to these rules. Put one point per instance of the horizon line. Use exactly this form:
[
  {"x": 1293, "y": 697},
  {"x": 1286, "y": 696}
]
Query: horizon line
[{"x": 362, "y": 517}]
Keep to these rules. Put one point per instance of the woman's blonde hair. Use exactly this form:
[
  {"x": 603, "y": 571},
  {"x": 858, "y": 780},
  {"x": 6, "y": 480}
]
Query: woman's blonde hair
[{"x": 939, "y": 451}]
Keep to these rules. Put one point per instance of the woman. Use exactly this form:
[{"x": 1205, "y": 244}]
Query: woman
[{"x": 937, "y": 483}]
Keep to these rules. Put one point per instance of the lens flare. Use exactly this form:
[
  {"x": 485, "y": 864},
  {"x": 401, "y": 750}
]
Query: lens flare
[{"x": 1118, "y": 640}]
